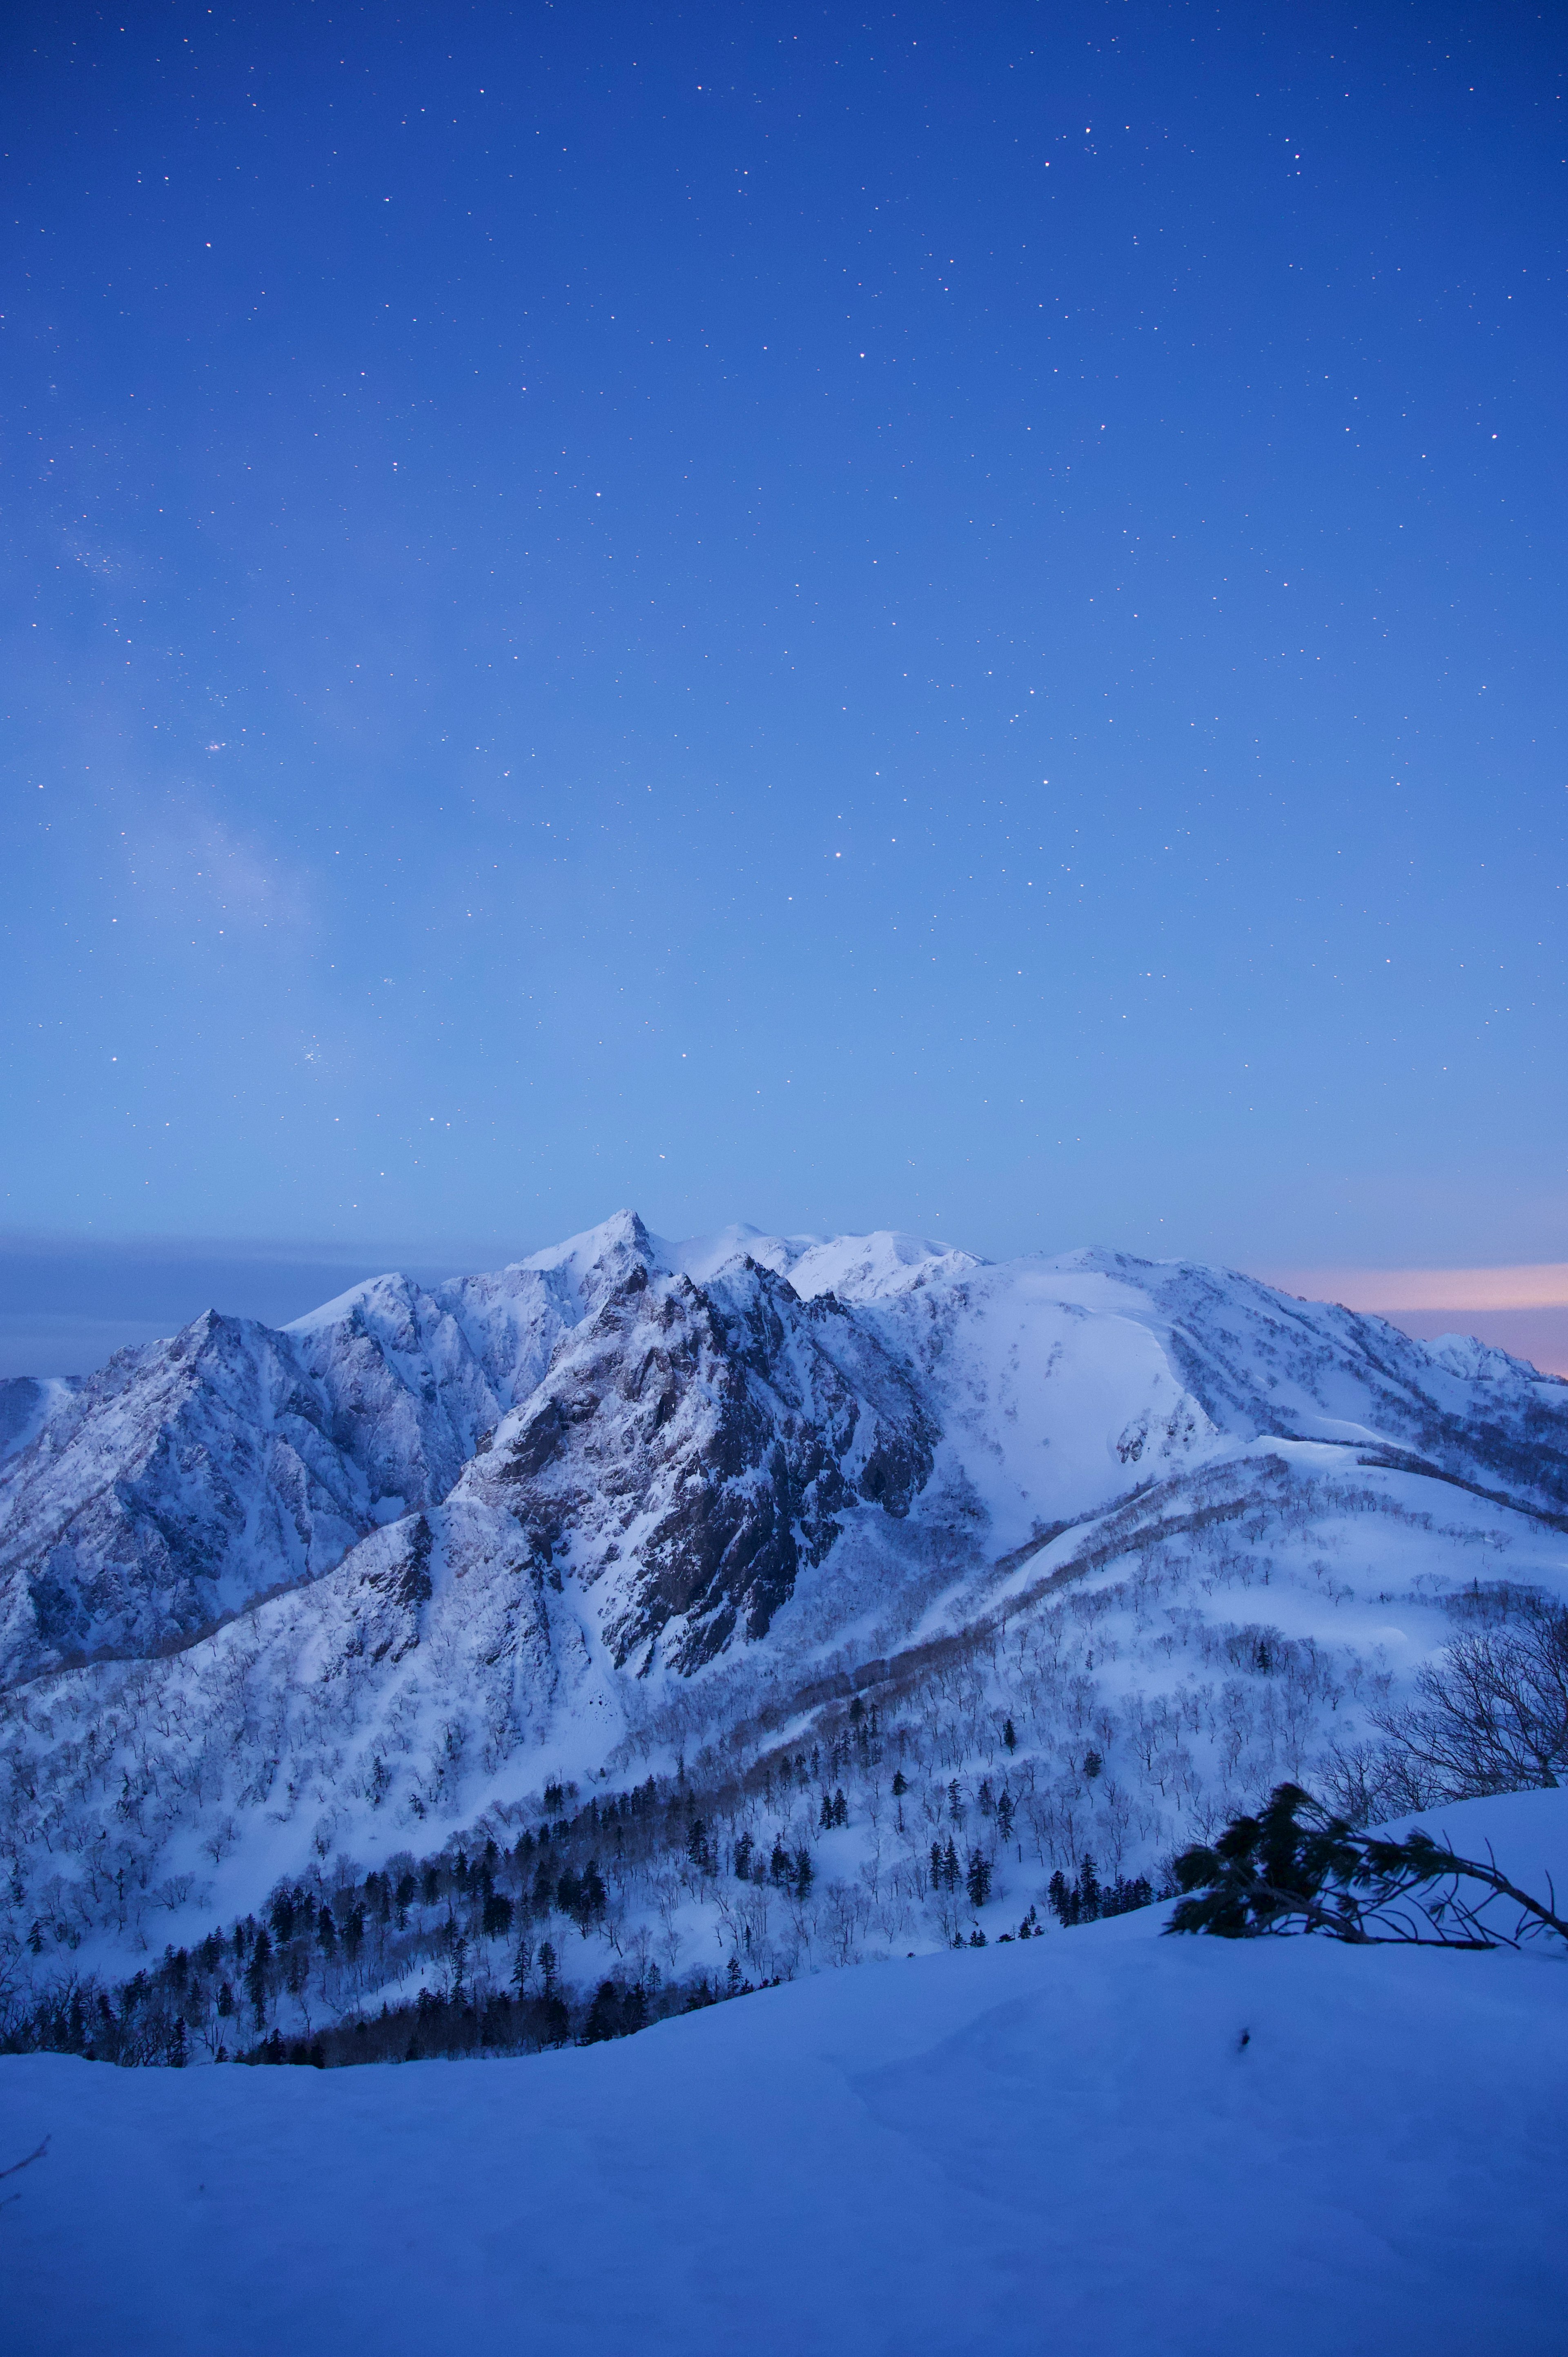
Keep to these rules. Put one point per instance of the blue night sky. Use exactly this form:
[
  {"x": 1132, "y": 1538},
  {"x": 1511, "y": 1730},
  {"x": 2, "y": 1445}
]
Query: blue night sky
[{"x": 947, "y": 619}]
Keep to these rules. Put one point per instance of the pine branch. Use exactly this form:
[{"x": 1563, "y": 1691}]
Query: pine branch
[
  {"x": 1296, "y": 1868},
  {"x": 1430, "y": 1862}
]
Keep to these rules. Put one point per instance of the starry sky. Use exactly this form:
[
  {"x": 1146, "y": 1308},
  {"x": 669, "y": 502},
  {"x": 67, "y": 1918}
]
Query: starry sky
[{"x": 948, "y": 618}]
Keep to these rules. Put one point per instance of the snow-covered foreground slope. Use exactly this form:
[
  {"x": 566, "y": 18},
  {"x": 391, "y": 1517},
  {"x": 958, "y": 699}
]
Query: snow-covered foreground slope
[
  {"x": 630, "y": 1503},
  {"x": 1103, "y": 2141}
]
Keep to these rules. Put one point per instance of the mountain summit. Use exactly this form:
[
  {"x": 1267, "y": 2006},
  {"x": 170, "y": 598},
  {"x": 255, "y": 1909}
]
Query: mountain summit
[{"x": 420, "y": 1549}]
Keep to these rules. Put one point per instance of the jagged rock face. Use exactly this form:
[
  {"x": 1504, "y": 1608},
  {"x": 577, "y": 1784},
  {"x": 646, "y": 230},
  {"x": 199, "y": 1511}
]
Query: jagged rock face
[
  {"x": 179, "y": 1482},
  {"x": 530, "y": 1517},
  {"x": 191, "y": 1478},
  {"x": 683, "y": 1430},
  {"x": 188, "y": 1478},
  {"x": 692, "y": 1448}
]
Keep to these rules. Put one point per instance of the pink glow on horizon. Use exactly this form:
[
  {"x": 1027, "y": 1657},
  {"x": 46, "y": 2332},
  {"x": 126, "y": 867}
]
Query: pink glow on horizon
[{"x": 1532, "y": 1285}]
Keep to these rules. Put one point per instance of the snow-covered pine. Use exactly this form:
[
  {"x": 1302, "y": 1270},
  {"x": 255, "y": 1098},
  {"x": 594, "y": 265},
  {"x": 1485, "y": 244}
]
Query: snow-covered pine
[{"x": 275, "y": 1601}]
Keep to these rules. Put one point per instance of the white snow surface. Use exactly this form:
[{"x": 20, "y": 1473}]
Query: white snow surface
[{"x": 1100, "y": 2143}]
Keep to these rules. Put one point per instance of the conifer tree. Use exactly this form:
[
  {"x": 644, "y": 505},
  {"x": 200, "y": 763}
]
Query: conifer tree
[
  {"x": 256, "y": 1973},
  {"x": 603, "y": 2015}
]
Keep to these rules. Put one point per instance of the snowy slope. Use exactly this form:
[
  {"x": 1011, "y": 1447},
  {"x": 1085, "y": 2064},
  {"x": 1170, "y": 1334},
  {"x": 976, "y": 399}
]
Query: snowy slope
[
  {"x": 630, "y": 1497},
  {"x": 28, "y": 1403},
  {"x": 1100, "y": 2141},
  {"x": 190, "y": 1477}
]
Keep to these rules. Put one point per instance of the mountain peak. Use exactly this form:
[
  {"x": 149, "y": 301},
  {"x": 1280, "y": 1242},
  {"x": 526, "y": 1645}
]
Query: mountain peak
[
  {"x": 435, "y": 1534},
  {"x": 598, "y": 1255}
]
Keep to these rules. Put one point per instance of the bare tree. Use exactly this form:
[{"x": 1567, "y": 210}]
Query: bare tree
[
  {"x": 1369, "y": 1782},
  {"x": 1492, "y": 1713}
]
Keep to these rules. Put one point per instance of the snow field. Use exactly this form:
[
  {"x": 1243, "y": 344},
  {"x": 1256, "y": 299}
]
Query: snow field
[{"x": 1103, "y": 2141}]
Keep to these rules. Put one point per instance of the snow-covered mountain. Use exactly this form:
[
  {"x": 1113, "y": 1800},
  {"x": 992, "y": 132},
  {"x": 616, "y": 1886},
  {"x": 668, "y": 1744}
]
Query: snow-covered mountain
[
  {"x": 264, "y": 1590},
  {"x": 190, "y": 1477}
]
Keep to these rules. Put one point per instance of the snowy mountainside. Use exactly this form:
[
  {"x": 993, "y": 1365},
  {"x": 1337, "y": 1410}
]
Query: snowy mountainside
[
  {"x": 360, "y": 1579},
  {"x": 28, "y": 1403},
  {"x": 190, "y": 1477},
  {"x": 693, "y": 1448}
]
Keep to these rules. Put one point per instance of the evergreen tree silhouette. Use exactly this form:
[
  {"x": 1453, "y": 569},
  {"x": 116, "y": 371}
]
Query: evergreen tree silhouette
[
  {"x": 603, "y": 2015},
  {"x": 256, "y": 1977}
]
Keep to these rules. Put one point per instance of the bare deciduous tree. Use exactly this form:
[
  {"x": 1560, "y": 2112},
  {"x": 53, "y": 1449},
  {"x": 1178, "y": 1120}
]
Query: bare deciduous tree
[{"x": 1492, "y": 1713}]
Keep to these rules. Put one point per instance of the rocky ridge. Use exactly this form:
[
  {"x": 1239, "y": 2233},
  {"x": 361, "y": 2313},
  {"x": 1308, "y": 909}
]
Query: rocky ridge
[{"x": 268, "y": 1590}]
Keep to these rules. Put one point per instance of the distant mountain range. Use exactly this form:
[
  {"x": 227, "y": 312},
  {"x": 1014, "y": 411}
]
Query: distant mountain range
[{"x": 423, "y": 1550}]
